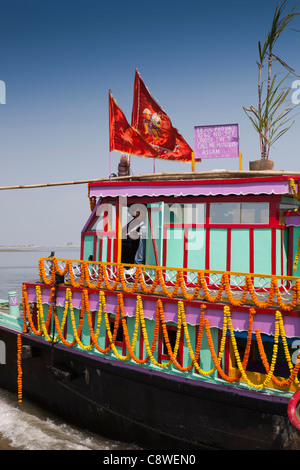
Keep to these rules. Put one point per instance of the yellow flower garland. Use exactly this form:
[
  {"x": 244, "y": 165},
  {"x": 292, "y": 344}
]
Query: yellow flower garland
[{"x": 295, "y": 194}]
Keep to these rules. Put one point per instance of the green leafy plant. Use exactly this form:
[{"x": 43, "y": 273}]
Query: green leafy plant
[{"x": 272, "y": 117}]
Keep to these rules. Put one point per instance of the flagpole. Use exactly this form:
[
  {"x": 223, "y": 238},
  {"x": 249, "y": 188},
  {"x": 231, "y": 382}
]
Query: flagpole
[
  {"x": 193, "y": 162},
  {"x": 109, "y": 166}
]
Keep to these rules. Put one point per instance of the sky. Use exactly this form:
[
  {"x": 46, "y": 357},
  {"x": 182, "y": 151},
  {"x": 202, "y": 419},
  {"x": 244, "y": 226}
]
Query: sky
[{"x": 59, "y": 58}]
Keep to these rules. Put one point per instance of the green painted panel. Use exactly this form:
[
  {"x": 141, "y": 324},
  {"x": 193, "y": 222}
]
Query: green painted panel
[
  {"x": 262, "y": 251},
  {"x": 113, "y": 241},
  {"x": 196, "y": 248},
  {"x": 281, "y": 252},
  {"x": 105, "y": 254},
  {"x": 175, "y": 245},
  {"x": 157, "y": 240},
  {"x": 218, "y": 249},
  {"x": 206, "y": 361},
  {"x": 240, "y": 251},
  {"x": 104, "y": 249},
  {"x": 88, "y": 246},
  {"x": 97, "y": 248},
  {"x": 295, "y": 244}
]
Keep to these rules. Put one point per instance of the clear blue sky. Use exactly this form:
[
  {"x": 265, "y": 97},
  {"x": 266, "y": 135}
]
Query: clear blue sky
[{"x": 58, "y": 60}]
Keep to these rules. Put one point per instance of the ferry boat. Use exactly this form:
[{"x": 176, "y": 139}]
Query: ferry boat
[
  {"x": 197, "y": 346},
  {"x": 179, "y": 325}
]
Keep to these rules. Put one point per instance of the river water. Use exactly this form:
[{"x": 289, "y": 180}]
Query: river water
[{"x": 25, "y": 426}]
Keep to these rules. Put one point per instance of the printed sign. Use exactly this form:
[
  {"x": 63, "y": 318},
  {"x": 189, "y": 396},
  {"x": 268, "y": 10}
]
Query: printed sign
[{"x": 221, "y": 141}]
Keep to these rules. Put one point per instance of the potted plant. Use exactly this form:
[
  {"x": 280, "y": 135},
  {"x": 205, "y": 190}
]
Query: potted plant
[{"x": 271, "y": 119}]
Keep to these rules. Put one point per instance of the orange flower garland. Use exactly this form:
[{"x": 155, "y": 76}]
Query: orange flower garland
[
  {"x": 224, "y": 284},
  {"x": 160, "y": 320}
]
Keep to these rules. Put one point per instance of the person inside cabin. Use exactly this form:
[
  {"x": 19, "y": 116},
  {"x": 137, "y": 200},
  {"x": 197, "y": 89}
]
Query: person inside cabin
[{"x": 136, "y": 229}]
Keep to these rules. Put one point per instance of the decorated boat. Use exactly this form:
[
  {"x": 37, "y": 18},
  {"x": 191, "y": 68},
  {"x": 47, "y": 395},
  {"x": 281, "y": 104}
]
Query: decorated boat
[{"x": 178, "y": 326}]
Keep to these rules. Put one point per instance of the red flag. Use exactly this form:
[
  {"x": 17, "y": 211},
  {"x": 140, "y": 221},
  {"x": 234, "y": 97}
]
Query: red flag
[
  {"x": 149, "y": 119},
  {"x": 182, "y": 151},
  {"x": 123, "y": 138}
]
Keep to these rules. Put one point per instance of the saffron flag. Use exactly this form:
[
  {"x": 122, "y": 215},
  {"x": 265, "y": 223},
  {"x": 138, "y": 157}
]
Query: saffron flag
[
  {"x": 182, "y": 151},
  {"x": 123, "y": 138},
  {"x": 149, "y": 119}
]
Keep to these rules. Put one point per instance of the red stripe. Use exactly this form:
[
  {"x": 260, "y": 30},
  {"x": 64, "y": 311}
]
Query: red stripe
[
  {"x": 290, "y": 252},
  {"x": 273, "y": 243},
  {"x": 185, "y": 249},
  {"x": 251, "y": 250},
  {"x": 193, "y": 182},
  {"x": 228, "y": 261}
]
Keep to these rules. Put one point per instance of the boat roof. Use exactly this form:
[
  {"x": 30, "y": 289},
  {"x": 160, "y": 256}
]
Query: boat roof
[{"x": 210, "y": 183}]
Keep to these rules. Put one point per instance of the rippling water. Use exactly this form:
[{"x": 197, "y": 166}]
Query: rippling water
[{"x": 26, "y": 426}]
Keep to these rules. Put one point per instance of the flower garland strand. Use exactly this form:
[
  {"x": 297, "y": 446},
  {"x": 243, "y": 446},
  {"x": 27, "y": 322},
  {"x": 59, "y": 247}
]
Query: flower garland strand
[
  {"x": 19, "y": 368},
  {"x": 293, "y": 188},
  {"x": 180, "y": 285},
  {"x": 94, "y": 330}
]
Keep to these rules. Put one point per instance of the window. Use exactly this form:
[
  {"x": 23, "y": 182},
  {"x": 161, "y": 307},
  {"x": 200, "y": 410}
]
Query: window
[
  {"x": 230, "y": 213},
  {"x": 255, "y": 363},
  {"x": 184, "y": 214}
]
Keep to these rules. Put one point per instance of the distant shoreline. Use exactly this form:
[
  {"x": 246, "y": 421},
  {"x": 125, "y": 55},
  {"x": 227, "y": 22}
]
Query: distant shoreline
[{"x": 36, "y": 248}]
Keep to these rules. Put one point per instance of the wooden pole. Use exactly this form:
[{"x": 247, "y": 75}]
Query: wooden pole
[
  {"x": 45, "y": 185},
  {"x": 164, "y": 176},
  {"x": 193, "y": 162},
  {"x": 240, "y": 161}
]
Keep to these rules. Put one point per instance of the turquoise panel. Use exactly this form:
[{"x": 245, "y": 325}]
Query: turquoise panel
[
  {"x": 285, "y": 251},
  {"x": 196, "y": 248},
  {"x": 262, "y": 251},
  {"x": 104, "y": 249},
  {"x": 175, "y": 245},
  {"x": 157, "y": 239},
  {"x": 206, "y": 361},
  {"x": 88, "y": 246},
  {"x": 240, "y": 251},
  {"x": 97, "y": 248},
  {"x": 218, "y": 249},
  {"x": 113, "y": 241},
  {"x": 281, "y": 252},
  {"x": 295, "y": 243},
  {"x": 105, "y": 255}
]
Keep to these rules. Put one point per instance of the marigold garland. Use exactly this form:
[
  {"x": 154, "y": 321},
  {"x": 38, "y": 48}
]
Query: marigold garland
[
  {"x": 94, "y": 330},
  {"x": 179, "y": 289},
  {"x": 295, "y": 194},
  {"x": 19, "y": 368}
]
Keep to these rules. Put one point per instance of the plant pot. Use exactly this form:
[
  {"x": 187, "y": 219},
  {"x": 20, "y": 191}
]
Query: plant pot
[{"x": 259, "y": 165}]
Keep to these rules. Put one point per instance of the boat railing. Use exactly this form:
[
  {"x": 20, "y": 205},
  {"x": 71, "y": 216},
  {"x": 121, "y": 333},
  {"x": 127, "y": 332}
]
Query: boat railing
[{"x": 264, "y": 290}]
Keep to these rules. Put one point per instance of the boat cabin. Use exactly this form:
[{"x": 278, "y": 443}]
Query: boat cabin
[{"x": 246, "y": 225}]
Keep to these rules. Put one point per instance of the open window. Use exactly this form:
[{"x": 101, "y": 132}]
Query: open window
[{"x": 255, "y": 368}]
